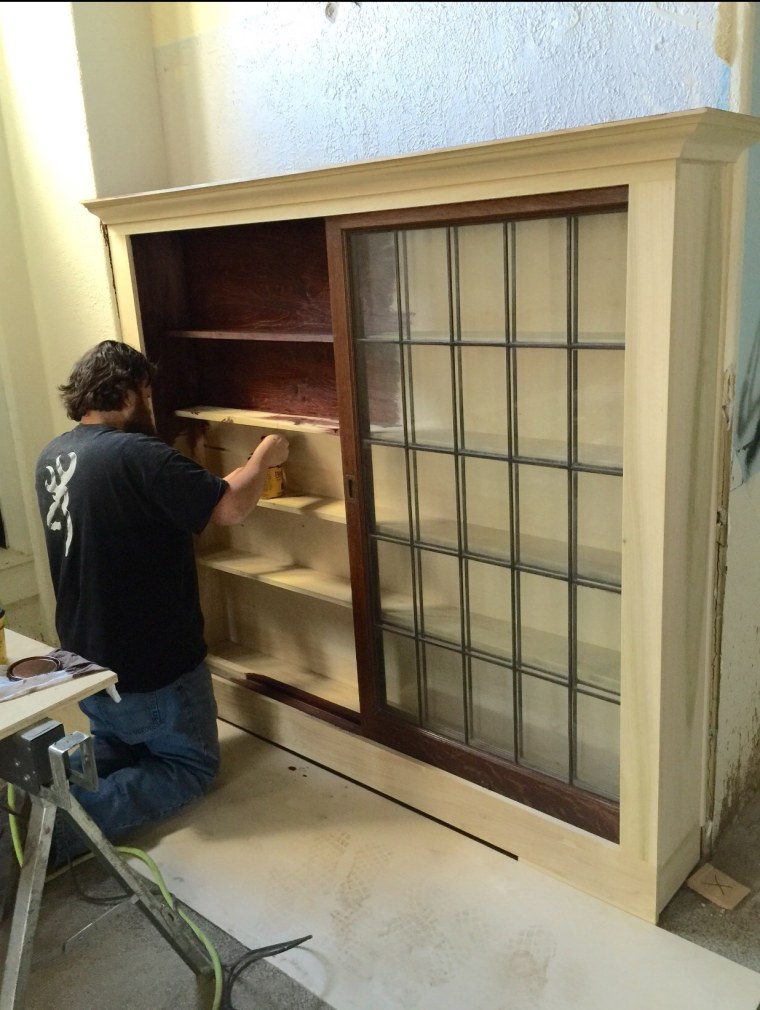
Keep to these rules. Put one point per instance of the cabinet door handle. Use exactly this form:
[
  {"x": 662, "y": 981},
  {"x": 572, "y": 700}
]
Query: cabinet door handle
[{"x": 348, "y": 480}]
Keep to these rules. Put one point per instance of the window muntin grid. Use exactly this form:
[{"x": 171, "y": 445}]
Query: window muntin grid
[{"x": 491, "y": 359}]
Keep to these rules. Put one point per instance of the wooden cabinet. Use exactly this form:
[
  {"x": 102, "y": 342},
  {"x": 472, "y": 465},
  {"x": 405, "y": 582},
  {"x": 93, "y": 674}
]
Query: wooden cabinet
[{"x": 488, "y": 590}]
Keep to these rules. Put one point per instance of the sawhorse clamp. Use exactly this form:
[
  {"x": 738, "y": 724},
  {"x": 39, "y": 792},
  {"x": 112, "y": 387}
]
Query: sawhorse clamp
[{"x": 37, "y": 760}]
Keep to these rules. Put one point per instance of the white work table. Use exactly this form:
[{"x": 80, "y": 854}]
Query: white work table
[{"x": 18, "y": 713}]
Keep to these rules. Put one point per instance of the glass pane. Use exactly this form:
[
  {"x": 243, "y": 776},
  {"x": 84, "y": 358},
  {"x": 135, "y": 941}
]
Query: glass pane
[
  {"x": 425, "y": 283},
  {"x": 492, "y": 707},
  {"x": 602, "y": 259},
  {"x": 441, "y": 607},
  {"x": 600, "y": 526},
  {"x": 486, "y": 495},
  {"x": 436, "y": 498},
  {"x": 395, "y": 578},
  {"x": 444, "y": 691},
  {"x": 401, "y": 687},
  {"x": 544, "y": 726},
  {"x": 541, "y": 394},
  {"x": 490, "y": 599},
  {"x": 598, "y": 746},
  {"x": 375, "y": 303},
  {"x": 482, "y": 313},
  {"x": 543, "y": 624},
  {"x": 600, "y": 407},
  {"x": 390, "y": 490},
  {"x": 543, "y": 517},
  {"x": 429, "y": 377},
  {"x": 598, "y": 654},
  {"x": 541, "y": 279},
  {"x": 484, "y": 398},
  {"x": 380, "y": 366},
  {"x": 417, "y": 285}
]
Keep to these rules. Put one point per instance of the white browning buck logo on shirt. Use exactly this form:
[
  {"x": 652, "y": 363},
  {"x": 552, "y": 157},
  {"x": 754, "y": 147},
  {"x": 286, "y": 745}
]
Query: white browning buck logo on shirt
[{"x": 57, "y": 484}]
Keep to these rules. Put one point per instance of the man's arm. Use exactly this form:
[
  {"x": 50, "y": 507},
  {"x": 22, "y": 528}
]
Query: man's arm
[{"x": 247, "y": 482}]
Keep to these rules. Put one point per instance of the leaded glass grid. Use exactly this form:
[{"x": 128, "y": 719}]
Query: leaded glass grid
[{"x": 490, "y": 363}]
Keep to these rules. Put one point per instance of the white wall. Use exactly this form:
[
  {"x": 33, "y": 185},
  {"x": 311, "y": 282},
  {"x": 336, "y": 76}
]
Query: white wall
[
  {"x": 16, "y": 319},
  {"x": 258, "y": 89},
  {"x": 737, "y": 752},
  {"x": 51, "y": 292},
  {"x": 107, "y": 98},
  {"x": 55, "y": 290}
]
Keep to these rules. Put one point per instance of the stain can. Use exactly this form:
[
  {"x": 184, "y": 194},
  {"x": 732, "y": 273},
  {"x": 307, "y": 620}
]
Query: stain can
[
  {"x": 275, "y": 483},
  {"x": 3, "y": 649}
]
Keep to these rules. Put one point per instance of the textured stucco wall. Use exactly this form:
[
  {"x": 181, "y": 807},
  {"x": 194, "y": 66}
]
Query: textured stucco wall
[{"x": 251, "y": 90}]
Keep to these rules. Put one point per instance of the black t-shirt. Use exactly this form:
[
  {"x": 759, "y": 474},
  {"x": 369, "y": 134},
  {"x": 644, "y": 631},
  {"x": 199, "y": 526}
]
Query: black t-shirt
[{"x": 119, "y": 511}]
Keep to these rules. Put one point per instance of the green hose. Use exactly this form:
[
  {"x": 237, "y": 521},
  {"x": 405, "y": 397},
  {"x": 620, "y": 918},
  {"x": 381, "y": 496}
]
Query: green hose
[
  {"x": 18, "y": 845},
  {"x": 18, "y": 848}
]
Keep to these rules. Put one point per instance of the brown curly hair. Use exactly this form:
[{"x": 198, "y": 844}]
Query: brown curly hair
[{"x": 102, "y": 377}]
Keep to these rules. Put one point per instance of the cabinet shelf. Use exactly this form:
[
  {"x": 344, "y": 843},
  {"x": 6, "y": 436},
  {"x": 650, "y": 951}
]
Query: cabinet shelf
[
  {"x": 236, "y": 661},
  {"x": 329, "y": 509},
  {"x": 598, "y": 666},
  {"x": 294, "y": 578},
  {"x": 265, "y": 336},
  {"x": 261, "y": 419}
]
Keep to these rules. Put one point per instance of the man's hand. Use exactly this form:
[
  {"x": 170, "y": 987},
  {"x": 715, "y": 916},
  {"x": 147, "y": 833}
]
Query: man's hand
[
  {"x": 274, "y": 449},
  {"x": 247, "y": 482}
]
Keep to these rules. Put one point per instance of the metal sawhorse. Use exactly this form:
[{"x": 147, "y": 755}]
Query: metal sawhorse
[{"x": 37, "y": 760}]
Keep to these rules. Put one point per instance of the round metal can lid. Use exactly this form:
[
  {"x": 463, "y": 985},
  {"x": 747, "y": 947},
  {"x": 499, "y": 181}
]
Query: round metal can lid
[{"x": 32, "y": 666}]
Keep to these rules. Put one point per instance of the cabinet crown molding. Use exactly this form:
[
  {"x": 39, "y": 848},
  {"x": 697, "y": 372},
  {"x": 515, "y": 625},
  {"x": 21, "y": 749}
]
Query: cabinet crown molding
[{"x": 436, "y": 176}]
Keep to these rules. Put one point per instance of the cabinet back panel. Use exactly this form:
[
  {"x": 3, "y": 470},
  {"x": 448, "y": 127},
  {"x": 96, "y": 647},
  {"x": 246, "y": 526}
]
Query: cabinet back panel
[
  {"x": 313, "y": 466},
  {"x": 269, "y": 277},
  {"x": 292, "y": 540},
  {"x": 162, "y": 298},
  {"x": 278, "y": 378},
  {"x": 308, "y": 633}
]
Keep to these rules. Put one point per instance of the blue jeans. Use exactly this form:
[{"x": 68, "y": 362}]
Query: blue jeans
[{"x": 154, "y": 752}]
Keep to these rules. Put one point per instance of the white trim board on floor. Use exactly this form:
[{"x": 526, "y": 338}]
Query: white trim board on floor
[{"x": 407, "y": 914}]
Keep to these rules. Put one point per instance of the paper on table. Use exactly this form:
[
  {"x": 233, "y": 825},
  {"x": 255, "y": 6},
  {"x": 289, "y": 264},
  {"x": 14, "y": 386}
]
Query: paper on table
[
  {"x": 72, "y": 666},
  {"x": 15, "y": 688}
]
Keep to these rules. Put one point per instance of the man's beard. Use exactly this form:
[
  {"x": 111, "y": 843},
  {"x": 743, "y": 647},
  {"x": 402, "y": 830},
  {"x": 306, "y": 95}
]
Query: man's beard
[{"x": 141, "y": 420}]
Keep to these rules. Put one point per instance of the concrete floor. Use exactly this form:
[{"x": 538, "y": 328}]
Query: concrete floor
[
  {"x": 405, "y": 914},
  {"x": 733, "y": 934},
  {"x": 110, "y": 957}
]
